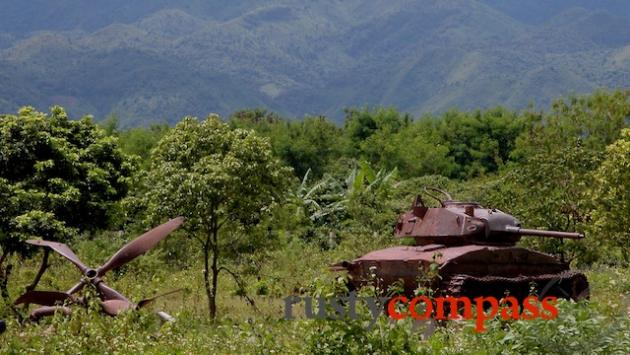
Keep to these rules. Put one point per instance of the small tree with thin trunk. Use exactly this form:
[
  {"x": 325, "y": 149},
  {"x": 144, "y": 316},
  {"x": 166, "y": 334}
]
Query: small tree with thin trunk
[{"x": 220, "y": 179}]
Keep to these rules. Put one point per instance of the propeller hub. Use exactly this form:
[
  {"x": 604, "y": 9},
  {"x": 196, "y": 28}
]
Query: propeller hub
[{"x": 91, "y": 274}]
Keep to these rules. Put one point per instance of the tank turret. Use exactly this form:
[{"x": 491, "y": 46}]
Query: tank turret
[{"x": 459, "y": 223}]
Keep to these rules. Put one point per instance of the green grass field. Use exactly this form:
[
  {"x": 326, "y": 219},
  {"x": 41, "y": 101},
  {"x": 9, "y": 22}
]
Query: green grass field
[{"x": 599, "y": 325}]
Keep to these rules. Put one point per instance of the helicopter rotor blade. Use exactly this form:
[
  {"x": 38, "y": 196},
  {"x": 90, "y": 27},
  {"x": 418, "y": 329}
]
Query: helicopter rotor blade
[
  {"x": 140, "y": 245},
  {"x": 43, "y": 298},
  {"x": 115, "y": 307},
  {"x": 76, "y": 288},
  {"x": 40, "y": 312},
  {"x": 107, "y": 293},
  {"x": 63, "y": 250}
]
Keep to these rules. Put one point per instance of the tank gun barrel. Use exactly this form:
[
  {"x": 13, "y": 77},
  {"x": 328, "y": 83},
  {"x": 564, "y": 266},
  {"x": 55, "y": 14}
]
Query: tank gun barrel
[{"x": 543, "y": 233}]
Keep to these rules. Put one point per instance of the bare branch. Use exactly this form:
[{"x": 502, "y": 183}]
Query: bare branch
[{"x": 241, "y": 285}]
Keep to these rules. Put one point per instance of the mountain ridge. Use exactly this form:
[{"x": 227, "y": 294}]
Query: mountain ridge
[{"x": 161, "y": 61}]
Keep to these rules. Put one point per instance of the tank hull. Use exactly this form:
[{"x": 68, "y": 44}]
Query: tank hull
[{"x": 469, "y": 270}]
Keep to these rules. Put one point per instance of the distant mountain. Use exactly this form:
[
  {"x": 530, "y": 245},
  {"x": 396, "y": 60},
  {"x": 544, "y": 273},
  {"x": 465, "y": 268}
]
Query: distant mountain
[{"x": 149, "y": 61}]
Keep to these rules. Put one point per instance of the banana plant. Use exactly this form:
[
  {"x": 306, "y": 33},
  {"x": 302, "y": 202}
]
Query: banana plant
[
  {"x": 364, "y": 179},
  {"x": 326, "y": 200},
  {"x": 322, "y": 201}
]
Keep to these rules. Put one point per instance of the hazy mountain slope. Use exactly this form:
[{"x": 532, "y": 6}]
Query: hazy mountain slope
[
  {"x": 539, "y": 11},
  {"x": 63, "y": 15},
  {"x": 159, "y": 60}
]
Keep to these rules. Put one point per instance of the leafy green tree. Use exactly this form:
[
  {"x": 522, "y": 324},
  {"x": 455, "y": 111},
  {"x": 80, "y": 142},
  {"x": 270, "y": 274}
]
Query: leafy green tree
[
  {"x": 224, "y": 181},
  {"x": 548, "y": 191},
  {"x": 370, "y": 132},
  {"x": 257, "y": 119},
  {"x": 596, "y": 120},
  {"x": 555, "y": 159},
  {"x": 611, "y": 195},
  {"x": 418, "y": 151},
  {"x": 478, "y": 142},
  {"x": 455, "y": 144},
  {"x": 140, "y": 141},
  {"x": 312, "y": 143},
  {"x": 57, "y": 176}
]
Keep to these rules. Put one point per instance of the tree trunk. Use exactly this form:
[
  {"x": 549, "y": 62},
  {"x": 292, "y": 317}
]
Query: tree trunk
[
  {"x": 4, "y": 290},
  {"x": 215, "y": 282},
  {"x": 211, "y": 245},
  {"x": 42, "y": 268},
  {"x": 4, "y": 280},
  {"x": 206, "y": 278}
]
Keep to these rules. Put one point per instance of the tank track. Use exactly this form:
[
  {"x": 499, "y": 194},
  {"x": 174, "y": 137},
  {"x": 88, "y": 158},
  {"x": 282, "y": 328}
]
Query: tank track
[{"x": 567, "y": 284}]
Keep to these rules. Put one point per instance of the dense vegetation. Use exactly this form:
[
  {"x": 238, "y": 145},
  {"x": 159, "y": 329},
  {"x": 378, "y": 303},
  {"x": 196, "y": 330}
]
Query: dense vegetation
[
  {"x": 272, "y": 202},
  {"x": 157, "y": 61}
]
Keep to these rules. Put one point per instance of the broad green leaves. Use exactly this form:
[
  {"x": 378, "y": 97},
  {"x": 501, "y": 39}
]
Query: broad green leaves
[
  {"x": 611, "y": 195},
  {"x": 313, "y": 143},
  {"x": 210, "y": 173},
  {"x": 56, "y": 176},
  {"x": 555, "y": 159}
]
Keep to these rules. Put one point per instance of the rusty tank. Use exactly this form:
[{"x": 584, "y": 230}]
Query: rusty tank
[{"x": 473, "y": 252}]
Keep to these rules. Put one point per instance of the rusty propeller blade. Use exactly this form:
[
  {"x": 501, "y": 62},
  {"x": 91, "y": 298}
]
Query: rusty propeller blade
[
  {"x": 44, "y": 298},
  {"x": 76, "y": 288},
  {"x": 140, "y": 245},
  {"x": 107, "y": 293},
  {"x": 62, "y": 249},
  {"x": 146, "y": 301},
  {"x": 48, "y": 311},
  {"x": 114, "y": 307}
]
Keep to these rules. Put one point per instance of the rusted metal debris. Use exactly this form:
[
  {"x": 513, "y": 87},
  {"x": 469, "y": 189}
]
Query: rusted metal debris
[
  {"x": 475, "y": 253},
  {"x": 112, "y": 302}
]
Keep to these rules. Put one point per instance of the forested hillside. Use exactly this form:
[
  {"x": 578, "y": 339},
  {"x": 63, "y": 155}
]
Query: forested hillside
[
  {"x": 270, "y": 203},
  {"x": 154, "y": 61}
]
